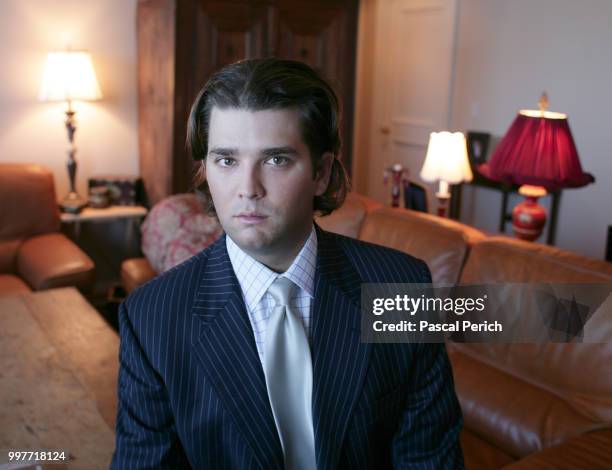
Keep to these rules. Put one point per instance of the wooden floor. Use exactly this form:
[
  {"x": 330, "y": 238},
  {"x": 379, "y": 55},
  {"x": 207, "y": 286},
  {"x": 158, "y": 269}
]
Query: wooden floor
[{"x": 58, "y": 377}]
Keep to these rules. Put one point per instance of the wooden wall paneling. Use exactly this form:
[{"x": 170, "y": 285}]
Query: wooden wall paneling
[
  {"x": 324, "y": 35},
  {"x": 240, "y": 31},
  {"x": 347, "y": 57},
  {"x": 192, "y": 65},
  {"x": 182, "y": 42},
  {"x": 210, "y": 35},
  {"x": 155, "y": 34}
]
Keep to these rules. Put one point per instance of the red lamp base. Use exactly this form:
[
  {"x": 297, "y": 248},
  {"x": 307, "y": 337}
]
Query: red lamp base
[
  {"x": 443, "y": 197},
  {"x": 442, "y": 204},
  {"x": 528, "y": 217}
]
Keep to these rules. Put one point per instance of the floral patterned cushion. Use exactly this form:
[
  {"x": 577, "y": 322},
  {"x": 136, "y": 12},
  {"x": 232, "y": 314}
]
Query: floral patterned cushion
[{"x": 176, "y": 229}]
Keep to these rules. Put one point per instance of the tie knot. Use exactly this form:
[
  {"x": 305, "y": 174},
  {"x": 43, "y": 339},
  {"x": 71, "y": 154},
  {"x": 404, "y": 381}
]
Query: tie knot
[{"x": 281, "y": 290}]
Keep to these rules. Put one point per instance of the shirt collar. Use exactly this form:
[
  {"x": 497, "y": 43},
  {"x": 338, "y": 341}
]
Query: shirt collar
[{"x": 255, "y": 278}]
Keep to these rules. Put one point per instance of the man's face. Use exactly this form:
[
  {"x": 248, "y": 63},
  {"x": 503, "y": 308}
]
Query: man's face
[{"x": 260, "y": 177}]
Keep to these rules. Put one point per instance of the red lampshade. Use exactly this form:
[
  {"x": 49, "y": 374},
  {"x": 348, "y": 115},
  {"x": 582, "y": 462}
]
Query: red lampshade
[{"x": 538, "y": 150}]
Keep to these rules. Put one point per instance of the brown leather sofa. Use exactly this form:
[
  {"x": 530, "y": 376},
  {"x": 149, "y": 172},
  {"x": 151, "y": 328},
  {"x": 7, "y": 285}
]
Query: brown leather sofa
[
  {"x": 524, "y": 406},
  {"x": 34, "y": 255}
]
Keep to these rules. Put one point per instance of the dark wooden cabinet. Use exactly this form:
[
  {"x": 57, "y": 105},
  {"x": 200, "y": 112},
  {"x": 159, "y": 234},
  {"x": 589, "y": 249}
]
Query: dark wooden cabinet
[{"x": 182, "y": 42}]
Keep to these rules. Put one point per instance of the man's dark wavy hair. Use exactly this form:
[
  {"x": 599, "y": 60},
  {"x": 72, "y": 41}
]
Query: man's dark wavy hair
[{"x": 261, "y": 84}]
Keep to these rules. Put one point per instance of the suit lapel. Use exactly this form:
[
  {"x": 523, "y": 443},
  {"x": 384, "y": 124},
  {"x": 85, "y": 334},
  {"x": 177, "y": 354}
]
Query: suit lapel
[
  {"x": 226, "y": 347},
  {"x": 340, "y": 359}
]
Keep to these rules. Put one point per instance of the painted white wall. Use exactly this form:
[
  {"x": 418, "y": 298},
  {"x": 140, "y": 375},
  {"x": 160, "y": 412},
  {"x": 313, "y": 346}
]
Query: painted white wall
[
  {"x": 508, "y": 52},
  {"x": 33, "y": 131}
]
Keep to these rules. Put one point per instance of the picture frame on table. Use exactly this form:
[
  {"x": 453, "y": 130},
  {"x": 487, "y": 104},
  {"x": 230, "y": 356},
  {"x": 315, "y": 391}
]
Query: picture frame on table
[{"x": 478, "y": 147}]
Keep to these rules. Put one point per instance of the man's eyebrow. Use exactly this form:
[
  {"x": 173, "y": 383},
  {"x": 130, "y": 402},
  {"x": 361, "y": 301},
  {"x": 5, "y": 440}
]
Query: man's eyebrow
[
  {"x": 223, "y": 151},
  {"x": 286, "y": 150}
]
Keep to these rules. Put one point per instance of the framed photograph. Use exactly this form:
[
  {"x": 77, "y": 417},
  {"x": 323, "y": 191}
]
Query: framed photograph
[
  {"x": 415, "y": 196},
  {"x": 478, "y": 147}
]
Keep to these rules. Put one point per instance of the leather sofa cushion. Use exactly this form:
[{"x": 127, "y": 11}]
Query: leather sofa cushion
[
  {"x": 591, "y": 450},
  {"x": 442, "y": 243},
  {"x": 348, "y": 219},
  {"x": 521, "y": 416},
  {"x": 529, "y": 397},
  {"x": 136, "y": 271},
  {"x": 27, "y": 190},
  {"x": 52, "y": 260},
  {"x": 577, "y": 376},
  {"x": 8, "y": 255},
  {"x": 502, "y": 259},
  {"x": 12, "y": 285},
  {"x": 478, "y": 454}
]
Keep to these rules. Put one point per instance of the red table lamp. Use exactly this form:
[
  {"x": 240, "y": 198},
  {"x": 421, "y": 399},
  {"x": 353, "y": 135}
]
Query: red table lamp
[{"x": 537, "y": 152}]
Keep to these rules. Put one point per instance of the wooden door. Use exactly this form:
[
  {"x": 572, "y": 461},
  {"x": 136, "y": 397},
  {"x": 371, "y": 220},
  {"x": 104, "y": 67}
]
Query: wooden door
[
  {"x": 209, "y": 35},
  {"x": 323, "y": 35},
  {"x": 412, "y": 92}
]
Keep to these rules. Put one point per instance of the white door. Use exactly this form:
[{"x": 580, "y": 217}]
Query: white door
[{"x": 412, "y": 85}]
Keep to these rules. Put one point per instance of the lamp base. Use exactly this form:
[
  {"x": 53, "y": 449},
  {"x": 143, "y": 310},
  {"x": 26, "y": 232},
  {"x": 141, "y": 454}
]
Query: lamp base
[
  {"x": 528, "y": 217},
  {"x": 442, "y": 203},
  {"x": 73, "y": 203},
  {"x": 443, "y": 195}
]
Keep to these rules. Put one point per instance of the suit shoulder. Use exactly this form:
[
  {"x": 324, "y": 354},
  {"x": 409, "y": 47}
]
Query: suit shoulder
[
  {"x": 377, "y": 263},
  {"x": 178, "y": 277}
]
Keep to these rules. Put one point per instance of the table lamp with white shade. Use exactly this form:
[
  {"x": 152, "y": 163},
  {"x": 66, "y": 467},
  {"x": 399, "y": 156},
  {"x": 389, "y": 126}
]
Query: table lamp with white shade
[
  {"x": 70, "y": 76},
  {"x": 446, "y": 161}
]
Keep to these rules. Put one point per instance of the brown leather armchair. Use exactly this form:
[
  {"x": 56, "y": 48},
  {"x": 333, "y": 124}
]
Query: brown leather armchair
[{"x": 34, "y": 255}]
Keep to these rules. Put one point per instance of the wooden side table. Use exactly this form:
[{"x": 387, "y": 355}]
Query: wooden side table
[
  {"x": 104, "y": 247},
  {"x": 133, "y": 215},
  {"x": 505, "y": 215}
]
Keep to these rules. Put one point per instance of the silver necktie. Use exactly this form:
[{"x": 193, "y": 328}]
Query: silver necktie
[{"x": 288, "y": 371}]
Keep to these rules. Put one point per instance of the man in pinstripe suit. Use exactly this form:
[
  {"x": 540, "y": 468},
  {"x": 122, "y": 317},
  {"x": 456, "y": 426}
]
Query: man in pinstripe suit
[{"x": 194, "y": 389}]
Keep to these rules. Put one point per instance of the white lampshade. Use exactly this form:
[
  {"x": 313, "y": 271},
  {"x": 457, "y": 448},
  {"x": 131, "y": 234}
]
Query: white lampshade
[
  {"x": 69, "y": 75},
  {"x": 446, "y": 159}
]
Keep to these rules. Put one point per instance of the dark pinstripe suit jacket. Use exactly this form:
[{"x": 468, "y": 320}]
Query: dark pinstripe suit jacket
[{"x": 192, "y": 391}]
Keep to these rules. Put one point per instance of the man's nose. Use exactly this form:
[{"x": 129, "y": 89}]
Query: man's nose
[{"x": 251, "y": 186}]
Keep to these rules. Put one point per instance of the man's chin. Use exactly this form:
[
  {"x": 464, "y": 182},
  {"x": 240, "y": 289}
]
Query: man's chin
[{"x": 252, "y": 241}]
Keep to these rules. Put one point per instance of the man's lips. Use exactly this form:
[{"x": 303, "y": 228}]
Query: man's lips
[{"x": 251, "y": 217}]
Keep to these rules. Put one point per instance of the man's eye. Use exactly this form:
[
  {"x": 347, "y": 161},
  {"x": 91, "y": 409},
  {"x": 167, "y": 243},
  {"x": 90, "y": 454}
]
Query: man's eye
[
  {"x": 226, "y": 161},
  {"x": 278, "y": 160}
]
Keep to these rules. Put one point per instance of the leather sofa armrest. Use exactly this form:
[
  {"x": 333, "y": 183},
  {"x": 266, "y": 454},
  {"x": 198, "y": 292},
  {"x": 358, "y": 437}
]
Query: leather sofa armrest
[
  {"x": 590, "y": 450},
  {"x": 134, "y": 272},
  {"x": 52, "y": 260}
]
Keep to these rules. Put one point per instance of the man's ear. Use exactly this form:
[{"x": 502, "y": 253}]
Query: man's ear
[{"x": 324, "y": 172}]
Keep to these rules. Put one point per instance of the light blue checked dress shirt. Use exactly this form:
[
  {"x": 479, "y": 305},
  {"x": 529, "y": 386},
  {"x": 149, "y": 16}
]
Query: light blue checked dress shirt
[{"x": 255, "y": 279}]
